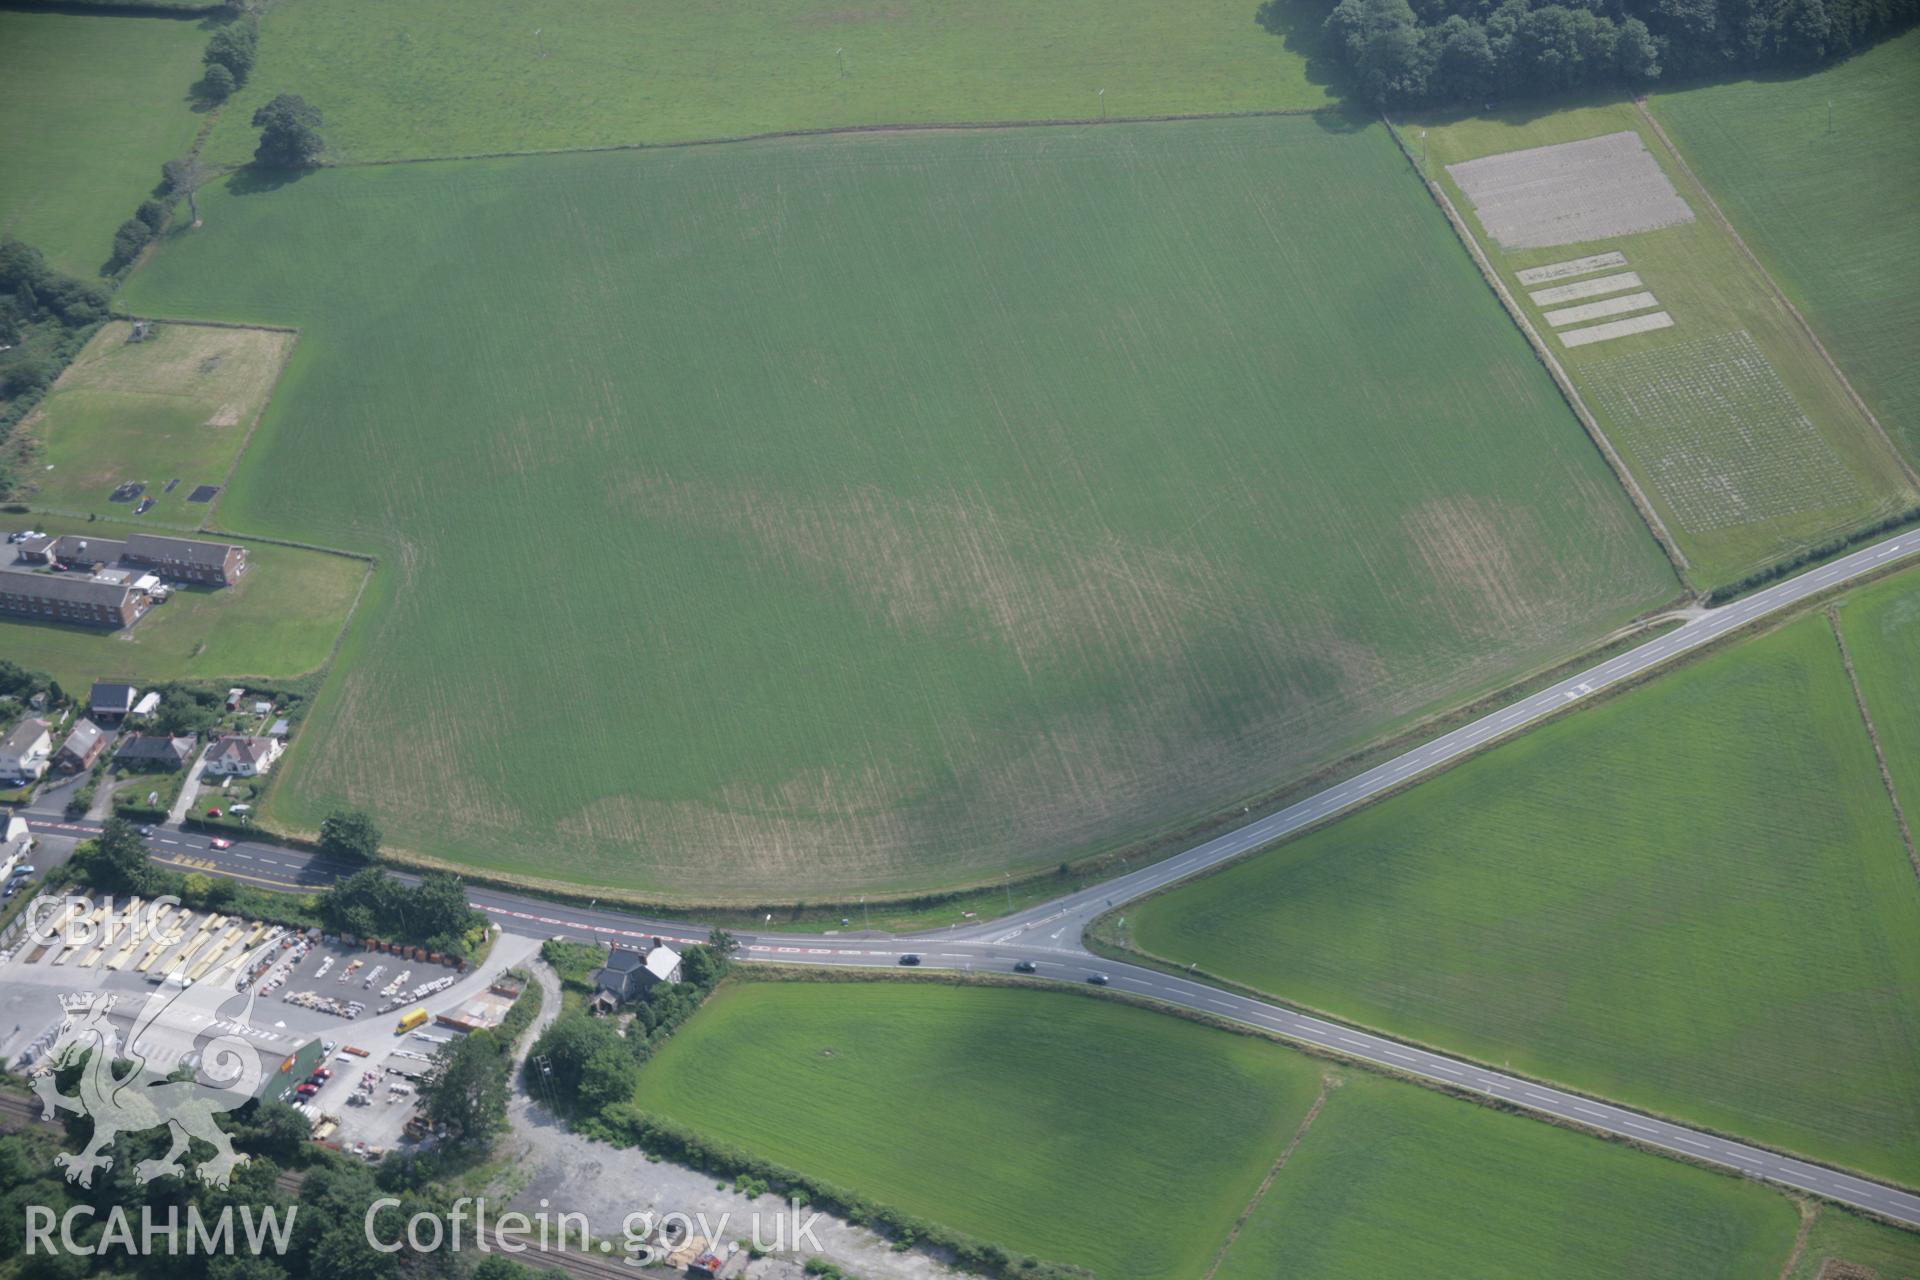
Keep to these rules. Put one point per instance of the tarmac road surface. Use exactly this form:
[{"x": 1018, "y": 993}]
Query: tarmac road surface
[{"x": 1049, "y": 935}]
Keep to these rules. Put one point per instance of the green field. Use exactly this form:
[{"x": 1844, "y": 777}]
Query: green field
[
  {"x": 280, "y": 620},
  {"x": 1690, "y": 898},
  {"x": 1394, "y": 1181},
  {"x": 1047, "y": 1138},
  {"x": 1882, "y": 626},
  {"x": 882, "y": 512},
  {"x": 1744, "y": 440},
  {"x": 1829, "y": 209},
  {"x": 469, "y": 77},
  {"x": 94, "y": 106},
  {"x": 177, "y": 406},
  {"x": 1137, "y": 1162},
  {"x": 1839, "y": 1236}
]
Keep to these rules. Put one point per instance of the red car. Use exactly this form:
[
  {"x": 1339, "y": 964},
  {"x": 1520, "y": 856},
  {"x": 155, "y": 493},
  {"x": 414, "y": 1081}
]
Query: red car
[
  {"x": 320, "y": 1075},
  {"x": 306, "y": 1090},
  {"x": 221, "y": 844},
  {"x": 213, "y": 813}
]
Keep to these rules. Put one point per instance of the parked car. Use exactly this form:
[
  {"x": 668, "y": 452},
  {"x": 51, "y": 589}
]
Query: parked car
[
  {"x": 214, "y": 812},
  {"x": 217, "y": 843},
  {"x": 909, "y": 958},
  {"x": 1098, "y": 979},
  {"x": 306, "y": 1089},
  {"x": 1026, "y": 966},
  {"x": 146, "y": 833},
  {"x": 321, "y": 1075}
]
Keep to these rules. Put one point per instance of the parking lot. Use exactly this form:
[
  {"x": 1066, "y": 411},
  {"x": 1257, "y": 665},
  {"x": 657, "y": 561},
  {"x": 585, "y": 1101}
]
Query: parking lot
[{"x": 280, "y": 989}]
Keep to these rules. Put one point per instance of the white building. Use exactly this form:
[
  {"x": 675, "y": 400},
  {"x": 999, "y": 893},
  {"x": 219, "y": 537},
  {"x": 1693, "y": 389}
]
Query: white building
[
  {"x": 239, "y": 756},
  {"x": 24, "y": 753}
]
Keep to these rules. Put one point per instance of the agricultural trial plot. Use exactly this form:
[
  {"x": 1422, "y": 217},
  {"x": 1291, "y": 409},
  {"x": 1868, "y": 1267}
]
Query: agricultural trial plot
[
  {"x": 1712, "y": 333},
  {"x": 153, "y": 425},
  {"x": 1719, "y": 433},
  {"x": 1393, "y": 1181},
  {"x": 1821, "y": 176},
  {"x": 94, "y": 105},
  {"x": 1691, "y": 898},
  {"x": 280, "y": 620},
  {"x": 1571, "y": 192},
  {"x": 889, "y": 512},
  {"x": 1138, "y": 1163},
  {"x": 487, "y": 77}
]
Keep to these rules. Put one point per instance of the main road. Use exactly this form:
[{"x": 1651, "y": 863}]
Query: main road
[{"x": 1049, "y": 936}]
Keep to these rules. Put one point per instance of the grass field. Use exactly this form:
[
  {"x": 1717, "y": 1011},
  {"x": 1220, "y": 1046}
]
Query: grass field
[
  {"x": 1394, "y": 1181},
  {"x": 1828, "y": 209},
  {"x": 1743, "y": 438},
  {"x": 883, "y": 512},
  {"x": 1690, "y": 898},
  {"x": 1044, "y": 1138},
  {"x": 279, "y": 621},
  {"x": 95, "y": 106},
  {"x": 469, "y": 77},
  {"x": 1882, "y": 627},
  {"x": 1838, "y": 1236},
  {"x": 177, "y": 406},
  {"x": 1137, "y": 1163}
]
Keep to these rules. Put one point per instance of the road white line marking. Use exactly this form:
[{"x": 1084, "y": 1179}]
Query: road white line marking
[
  {"x": 1589, "y": 1111},
  {"x": 1404, "y": 1057},
  {"x": 1641, "y": 1127},
  {"x": 1351, "y": 1040}
]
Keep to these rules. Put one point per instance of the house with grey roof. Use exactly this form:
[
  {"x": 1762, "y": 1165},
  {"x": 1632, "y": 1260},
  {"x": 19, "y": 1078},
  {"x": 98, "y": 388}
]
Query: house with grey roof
[
  {"x": 110, "y": 701},
  {"x": 154, "y": 751},
  {"x": 242, "y": 756},
  {"x": 82, "y": 747},
  {"x": 631, "y": 972},
  {"x": 25, "y": 752}
]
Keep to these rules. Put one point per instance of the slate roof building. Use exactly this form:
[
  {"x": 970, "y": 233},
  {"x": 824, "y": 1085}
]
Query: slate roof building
[
  {"x": 55, "y": 597},
  {"x": 629, "y": 972},
  {"x": 110, "y": 701},
  {"x": 155, "y": 751},
  {"x": 82, "y": 747}
]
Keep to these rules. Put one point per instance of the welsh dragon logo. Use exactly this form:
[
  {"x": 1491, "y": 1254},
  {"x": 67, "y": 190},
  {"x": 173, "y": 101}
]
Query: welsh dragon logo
[{"x": 138, "y": 1098}]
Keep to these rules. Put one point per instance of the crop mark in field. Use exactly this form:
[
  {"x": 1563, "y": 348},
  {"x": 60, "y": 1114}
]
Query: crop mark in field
[
  {"x": 1461, "y": 544},
  {"x": 1724, "y": 441},
  {"x": 1571, "y": 192}
]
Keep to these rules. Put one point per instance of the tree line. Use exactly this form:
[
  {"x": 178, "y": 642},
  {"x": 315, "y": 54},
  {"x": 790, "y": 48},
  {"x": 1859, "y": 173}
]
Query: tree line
[{"x": 1404, "y": 52}]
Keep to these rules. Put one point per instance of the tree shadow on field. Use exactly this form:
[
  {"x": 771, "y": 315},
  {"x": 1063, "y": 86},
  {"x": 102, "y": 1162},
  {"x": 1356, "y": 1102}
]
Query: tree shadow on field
[
  {"x": 253, "y": 180},
  {"x": 1301, "y": 26}
]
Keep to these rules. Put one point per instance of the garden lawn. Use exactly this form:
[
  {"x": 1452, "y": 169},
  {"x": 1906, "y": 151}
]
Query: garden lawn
[
  {"x": 472, "y": 77},
  {"x": 1394, "y": 1181},
  {"x": 1690, "y": 898},
  {"x": 1073, "y": 1129},
  {"x": 280, "y": 620},
  {"x": 94, "y": 105},
  {"x": 1882, "y": 627},
  {"x": 793, "y": 520},
  {"x": 1829, "y": 207},
  {"x": 1742, "y": 437},
  {"x": 177, "y": 406}
]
